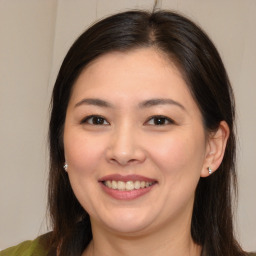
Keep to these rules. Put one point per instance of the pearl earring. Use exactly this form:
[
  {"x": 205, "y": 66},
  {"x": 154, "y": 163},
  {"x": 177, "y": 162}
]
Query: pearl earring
[
  {"x": 209, "y": 170},
  {"x": 65, "y": 167}
]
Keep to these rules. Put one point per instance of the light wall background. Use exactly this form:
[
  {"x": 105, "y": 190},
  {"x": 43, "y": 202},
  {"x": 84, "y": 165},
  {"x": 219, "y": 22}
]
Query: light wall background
[{"x": 34, "y": 37}]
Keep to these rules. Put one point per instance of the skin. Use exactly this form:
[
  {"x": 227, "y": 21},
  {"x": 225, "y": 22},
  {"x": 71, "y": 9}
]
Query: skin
[{"x": 175, "y": 153}]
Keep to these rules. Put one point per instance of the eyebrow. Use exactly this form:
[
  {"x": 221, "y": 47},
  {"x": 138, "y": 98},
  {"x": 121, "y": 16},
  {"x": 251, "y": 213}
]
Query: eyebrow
[
  {"x": 95, "y": 102},
  {"x": 155, "y": 102},
  {"x": 144, "y": 104}
]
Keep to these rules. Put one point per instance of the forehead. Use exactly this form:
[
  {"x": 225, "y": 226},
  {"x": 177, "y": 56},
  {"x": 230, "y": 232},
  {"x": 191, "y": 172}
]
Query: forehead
[
  {"x": 141, "y": 69},
  {"x": 149, "y": 54}
]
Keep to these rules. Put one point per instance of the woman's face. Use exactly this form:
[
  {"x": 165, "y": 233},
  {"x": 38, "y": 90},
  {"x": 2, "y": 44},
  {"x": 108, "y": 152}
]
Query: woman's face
[{"x": 134, "y": 142}]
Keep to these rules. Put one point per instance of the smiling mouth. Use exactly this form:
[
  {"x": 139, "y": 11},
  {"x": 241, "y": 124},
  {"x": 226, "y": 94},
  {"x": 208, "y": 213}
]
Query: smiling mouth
[{"x": 128, "y": 185}]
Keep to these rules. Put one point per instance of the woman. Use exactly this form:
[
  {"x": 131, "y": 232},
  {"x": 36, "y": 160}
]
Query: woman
[{"x": 142, "y": 146}]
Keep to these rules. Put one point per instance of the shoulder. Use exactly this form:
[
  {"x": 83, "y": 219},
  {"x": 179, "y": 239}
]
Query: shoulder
[
  {"x": 252, "y": 254},
  {"x": 37, "y": 247}
]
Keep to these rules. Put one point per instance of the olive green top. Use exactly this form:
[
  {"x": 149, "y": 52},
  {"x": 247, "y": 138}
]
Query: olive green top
[{"x": 37, "y": 247}]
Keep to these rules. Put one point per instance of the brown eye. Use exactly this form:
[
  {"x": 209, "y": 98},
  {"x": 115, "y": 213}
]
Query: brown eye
[
  {"x": 160, "y": 120},
  {"x": 95, "y": 120}
]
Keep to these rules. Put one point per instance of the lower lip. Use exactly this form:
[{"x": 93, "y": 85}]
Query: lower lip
[{"x": 125, "y": 194}]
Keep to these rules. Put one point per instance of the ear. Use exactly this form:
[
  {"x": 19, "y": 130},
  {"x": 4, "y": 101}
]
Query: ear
[{"x": 215, "y": 149}]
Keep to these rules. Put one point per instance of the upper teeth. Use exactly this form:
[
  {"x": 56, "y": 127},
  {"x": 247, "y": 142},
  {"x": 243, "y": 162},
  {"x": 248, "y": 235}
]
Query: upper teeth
[{"x": 129, "y": 185}]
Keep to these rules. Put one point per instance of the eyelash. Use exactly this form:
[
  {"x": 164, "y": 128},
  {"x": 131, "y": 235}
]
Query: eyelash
[
  {"x": 100, "y": 118},
  {"x": 158, "y": 120}
]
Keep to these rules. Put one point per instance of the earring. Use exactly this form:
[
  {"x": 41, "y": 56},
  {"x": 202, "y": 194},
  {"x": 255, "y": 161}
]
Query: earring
[
  {"x": 65, "y": 167},
  {"x": 209, "y": 170}
]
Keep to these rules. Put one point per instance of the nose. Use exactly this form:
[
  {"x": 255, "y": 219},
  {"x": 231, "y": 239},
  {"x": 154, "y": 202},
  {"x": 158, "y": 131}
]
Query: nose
[{"x": 125, "y": 147}]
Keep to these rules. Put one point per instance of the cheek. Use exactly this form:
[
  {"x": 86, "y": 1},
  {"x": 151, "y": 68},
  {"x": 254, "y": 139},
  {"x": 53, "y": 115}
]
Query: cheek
[
  {"x": 179, "y": 154},
  {"x": 82, "y": 153},
  {"x": 178, "y": 160}
]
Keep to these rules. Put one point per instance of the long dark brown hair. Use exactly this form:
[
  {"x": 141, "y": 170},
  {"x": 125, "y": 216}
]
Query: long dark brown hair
[{"x": 194, "y": 54}]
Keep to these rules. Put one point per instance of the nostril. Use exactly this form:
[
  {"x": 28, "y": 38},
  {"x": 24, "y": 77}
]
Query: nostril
[
  {"x": 132, "y": 160},
  {"x": 123, "y": 161},
  {"x": 125, "y": 156}
]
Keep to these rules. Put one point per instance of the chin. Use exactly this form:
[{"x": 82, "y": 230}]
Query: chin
[
  {"x": 128, "y": 223},
  {"x": 128, "y": 229}
]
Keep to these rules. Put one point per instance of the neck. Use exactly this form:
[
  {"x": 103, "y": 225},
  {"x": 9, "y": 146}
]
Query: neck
[{"x": 161, "y": 242}]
